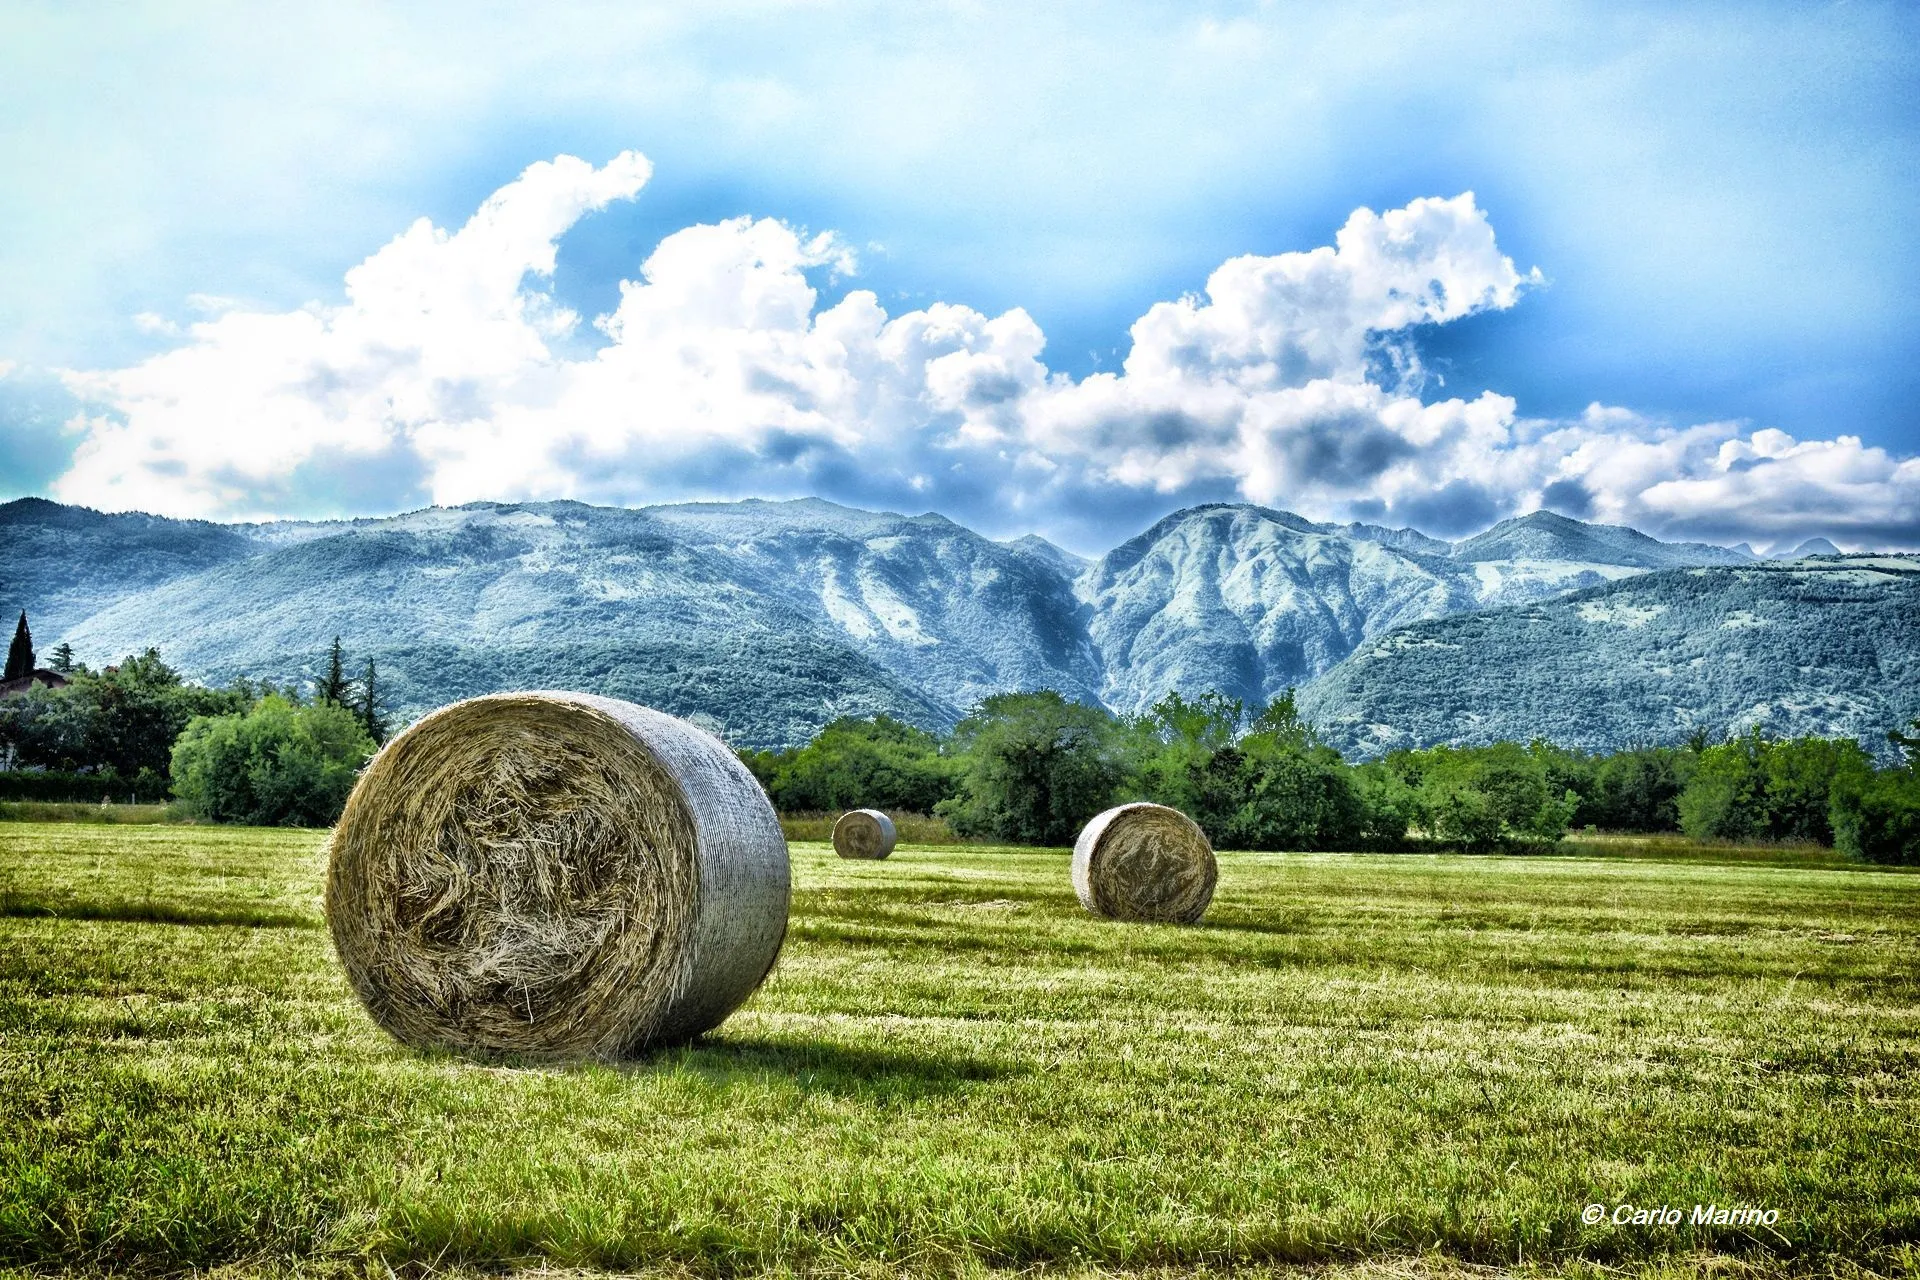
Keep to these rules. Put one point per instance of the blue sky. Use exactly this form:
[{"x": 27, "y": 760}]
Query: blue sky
[{"x": 1718, "y": 201}]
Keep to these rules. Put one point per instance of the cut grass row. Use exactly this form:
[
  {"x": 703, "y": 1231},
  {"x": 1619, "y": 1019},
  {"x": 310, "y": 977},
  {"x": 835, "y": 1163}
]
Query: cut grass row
[
  {"x": 1355, "y": 1061},
  {"x": 920, "y": 829},
  {"x": 74, "y": 811}
]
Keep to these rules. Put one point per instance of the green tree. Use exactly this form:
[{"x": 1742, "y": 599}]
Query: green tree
[
  {"x": 1567, "y": 771},
  {"x": 1724, "y": 799},
  {"x": 850, "y": 764},
  {"x": 1035, "y": 767},
  {"x": 1173, "y": 752},
  {"x": 1275, "y": 786},
  {"x": 1909, "y": 743},
  {"x": 1387, "y": 805},
  {"x": 46, "y": 728},
  {"x": 1299, "y": 793},
  {"x": 20, "y": 658},
  {"x": 1756, "y": 787},
  {"x": 62, "y": 660},
  {"x": 135, "y": 710},
  {"x": 1638, "y": 790},
  {"x": 1801, "y": 774},
  {"x": 121, "y": 721},
  {"x": 1484, "y": 797},
  {"x": 334, "y": 687},
  {"x": 370, "y": 708},
  {"x": 276, "y": 765},
  {"x": 1877, "y": 818},
  {"x": 1289, "y": 796}
]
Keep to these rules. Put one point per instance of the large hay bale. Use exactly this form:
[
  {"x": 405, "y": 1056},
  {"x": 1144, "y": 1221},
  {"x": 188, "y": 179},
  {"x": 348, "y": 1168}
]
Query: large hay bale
[
  {"x": 863, "y": 833},
  {"x": 1144, "y": 862},
  {"x": 555, "y": 875}
]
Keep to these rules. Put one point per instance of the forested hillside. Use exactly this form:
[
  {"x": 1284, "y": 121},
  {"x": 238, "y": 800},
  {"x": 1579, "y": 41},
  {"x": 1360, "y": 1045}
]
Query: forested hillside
[{"x": 1826, "y": 646}]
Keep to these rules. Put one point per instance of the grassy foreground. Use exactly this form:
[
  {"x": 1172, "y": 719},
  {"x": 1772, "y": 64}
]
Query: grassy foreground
[{"x": 1404, "y": 1065}]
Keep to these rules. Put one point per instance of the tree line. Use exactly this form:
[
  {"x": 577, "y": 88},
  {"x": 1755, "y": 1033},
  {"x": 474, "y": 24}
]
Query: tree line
[
  {"x": 1031, "y": 768},
  {"x": 250, "y": 751},
  {"x": 1027, "y": 768}
]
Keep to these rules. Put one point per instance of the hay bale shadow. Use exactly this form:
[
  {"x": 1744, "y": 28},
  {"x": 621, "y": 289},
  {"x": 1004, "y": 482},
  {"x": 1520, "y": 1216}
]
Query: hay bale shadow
[
  {"x": 823, "y": 1067},
  {"x": 827, "y": 1067},
  {"x": 1293, "y": 925}
]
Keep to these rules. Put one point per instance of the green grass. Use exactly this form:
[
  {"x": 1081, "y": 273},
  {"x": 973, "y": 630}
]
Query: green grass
[
  {"x": 910, "y": 828},
  {"x": 75, "y": 811},
  {"x": 1387, "y": 1065},
  {"x": 1663, "y": 846}
]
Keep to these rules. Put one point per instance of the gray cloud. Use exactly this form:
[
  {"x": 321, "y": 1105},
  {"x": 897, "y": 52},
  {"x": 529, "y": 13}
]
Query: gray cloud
[
  {"x": 1457, "y": 508},
  {"x": 1568, "y": 497}
]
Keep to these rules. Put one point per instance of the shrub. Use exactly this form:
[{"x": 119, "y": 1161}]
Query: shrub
[
  {"x": 276, "y": 765},
  {"x": 85, "y": 788},
  {"x": 1877, "y": 819}
]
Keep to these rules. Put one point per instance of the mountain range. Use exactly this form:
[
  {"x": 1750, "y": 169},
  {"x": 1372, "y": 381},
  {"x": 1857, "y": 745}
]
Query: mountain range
[
  {"x": 766, "y": 619},
  {"x": 1827, "y": 646}
]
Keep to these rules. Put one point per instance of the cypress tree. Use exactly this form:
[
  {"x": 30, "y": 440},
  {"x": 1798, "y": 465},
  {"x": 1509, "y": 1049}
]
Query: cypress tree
[
  {"x": 20, "y": 656},
  {"x": 334, "y": 686},
  {"x": 370, "y": 718}
]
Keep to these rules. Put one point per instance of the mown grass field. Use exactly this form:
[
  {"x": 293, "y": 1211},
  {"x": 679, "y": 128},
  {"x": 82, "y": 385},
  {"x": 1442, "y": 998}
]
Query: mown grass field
[{"x": 1408, "y": 1064}]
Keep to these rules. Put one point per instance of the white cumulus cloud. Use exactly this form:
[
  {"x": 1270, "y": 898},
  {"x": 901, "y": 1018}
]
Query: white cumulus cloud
[{"x": 449, "y": 373}]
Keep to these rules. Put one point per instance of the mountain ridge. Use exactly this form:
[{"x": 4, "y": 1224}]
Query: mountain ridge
[
  {"x": 1548, "y": 532},
  {"x": 768, "y": 617}
]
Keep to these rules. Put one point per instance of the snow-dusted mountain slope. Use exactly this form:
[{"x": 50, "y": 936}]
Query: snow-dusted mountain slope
[
  {"x": 63, "y": 563},
  {"x": 1249, "y": 602},
  {"x": 956, "y": 615},
  {"x": 1818, "y": 646},
  {"x": 1059, "y": 559},
  {"x": 1535, "y": 556},
  {"x": 1252, "y": 601},
  {"x": 769, "y": 618},
  {"x": 1546, "y": 536}
]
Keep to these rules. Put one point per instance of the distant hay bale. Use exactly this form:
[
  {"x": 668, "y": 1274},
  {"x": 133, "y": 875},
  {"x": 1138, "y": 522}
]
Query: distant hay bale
[
  {"x": 863, "y": 833},
  {"x": 1144, "y": 862},
  {"x": 555, "y": 875}
]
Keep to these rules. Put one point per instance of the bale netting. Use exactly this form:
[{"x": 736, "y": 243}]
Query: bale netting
[
  {"x": 555, "y": 875},
  {"x": 1144, "y": 862},
  {"x": 863, "y": 833}
]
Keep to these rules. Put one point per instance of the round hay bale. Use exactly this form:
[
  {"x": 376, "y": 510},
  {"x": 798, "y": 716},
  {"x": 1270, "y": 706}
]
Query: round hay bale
[
  {"x": 863, "y": 833},
  {"x": 1144, "y": 862},
  {"x": 555, "y": 875}
]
